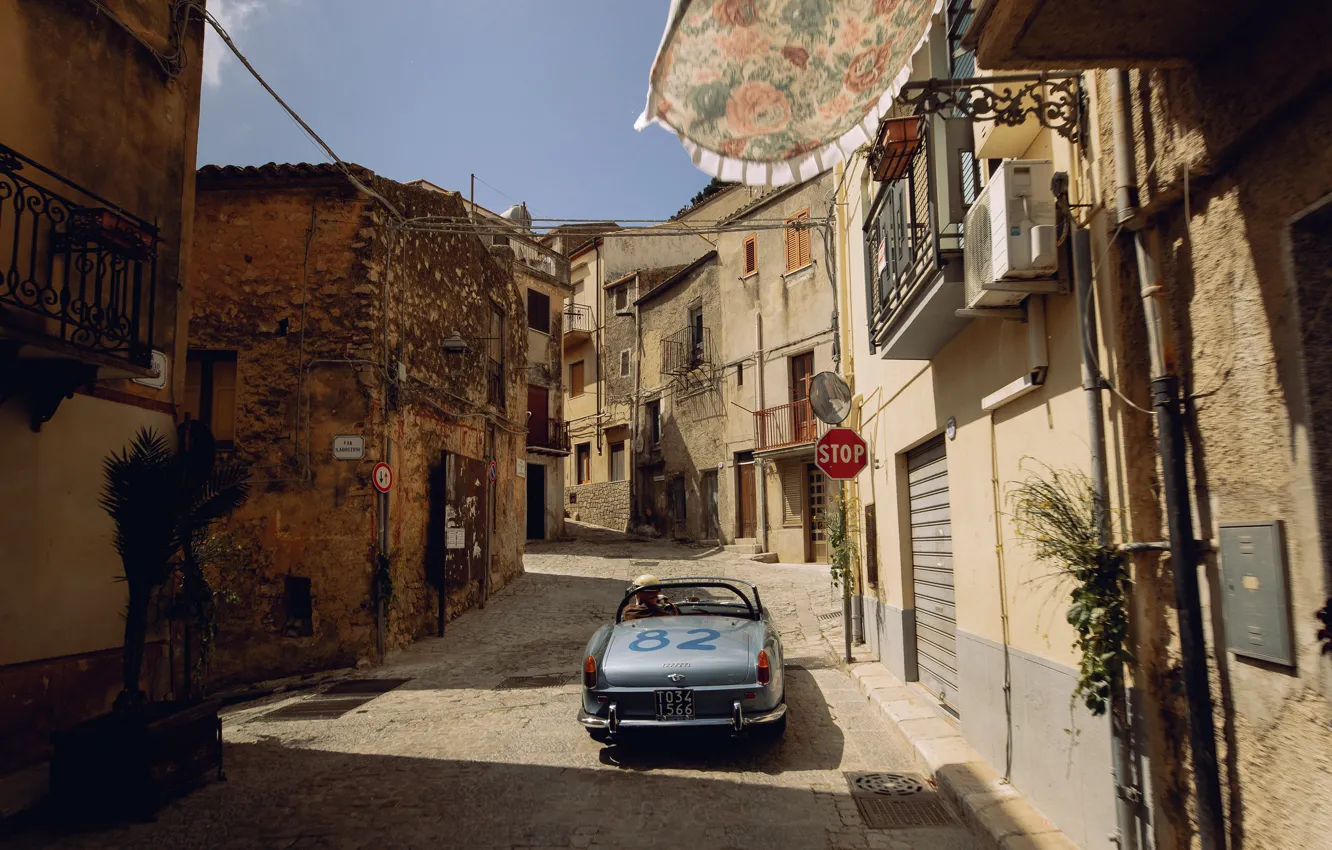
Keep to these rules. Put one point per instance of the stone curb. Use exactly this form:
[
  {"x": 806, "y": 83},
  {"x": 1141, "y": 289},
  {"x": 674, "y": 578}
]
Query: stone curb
[{"x": 996, "y": 812}]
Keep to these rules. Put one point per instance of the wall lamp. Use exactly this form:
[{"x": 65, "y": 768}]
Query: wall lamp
[{"x": 459, "y": 345}]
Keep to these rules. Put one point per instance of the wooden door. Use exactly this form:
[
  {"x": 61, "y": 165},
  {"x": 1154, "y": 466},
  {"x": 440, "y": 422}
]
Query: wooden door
[
  {"x": 816, "y": 549},
  {"x": 711, "y": 525},
  {"x": 802, "y": 417},
  {"x": 536, "y": 502},
  {"x": 747, "y": 503},
  {"x": 538, "y": 416}
]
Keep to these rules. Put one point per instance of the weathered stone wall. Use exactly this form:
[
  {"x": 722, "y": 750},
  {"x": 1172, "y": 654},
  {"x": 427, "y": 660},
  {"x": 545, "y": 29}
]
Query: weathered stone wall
[
  {"x": 314, "y": 314},
  {"x": 605, "y": 504}
]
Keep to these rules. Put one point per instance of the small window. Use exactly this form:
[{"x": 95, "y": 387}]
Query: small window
[
  {"x": 617, "y": 461},
  {"x": 538, "y": 311},
  {"x": 622, "y": 299},
  {"x": 740, "y": 374},
  {"x": 797, "y": 241},
  {"x": 300, "y": 607},
  {"x": 576, "y": 378},
  {"x": 654, "y": 421},
  {"x": 210, "y": 393},
  {"x": 624, "y": 363},
  {"x": 751, "y": 254},
  {"x": 583, "y": 455}
]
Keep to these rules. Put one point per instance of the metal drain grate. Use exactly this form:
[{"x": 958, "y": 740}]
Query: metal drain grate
[
  {"x": 645, "y": 563},
  {"x": 551, "y": 680},
  {"x": 835, "y": 615},
  {"x": 897, "y": 801},
  {"x": 336, "y": 700}
]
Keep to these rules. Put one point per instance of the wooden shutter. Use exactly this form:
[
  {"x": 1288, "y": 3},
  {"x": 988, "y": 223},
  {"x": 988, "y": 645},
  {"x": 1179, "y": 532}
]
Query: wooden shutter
[
  {"x": 576, "y": 378},
  {"x": 797, "y": 242},
  {"x": 538, "y": 311},
  {"x": 871, "y": 546},
  {"x": 751, "y": 254},
  {"x": 793, "y": 485}
]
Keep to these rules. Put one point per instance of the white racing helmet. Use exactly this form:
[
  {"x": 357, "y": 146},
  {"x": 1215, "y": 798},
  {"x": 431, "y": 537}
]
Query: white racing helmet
[{"x": 645, "y": 579}]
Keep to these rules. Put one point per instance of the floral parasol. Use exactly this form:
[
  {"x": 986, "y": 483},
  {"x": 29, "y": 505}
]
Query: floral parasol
[{"x": 776, "y": 91}]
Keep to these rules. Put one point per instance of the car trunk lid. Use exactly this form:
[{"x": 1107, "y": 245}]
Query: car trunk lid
[{"x": 703, "y": 650}]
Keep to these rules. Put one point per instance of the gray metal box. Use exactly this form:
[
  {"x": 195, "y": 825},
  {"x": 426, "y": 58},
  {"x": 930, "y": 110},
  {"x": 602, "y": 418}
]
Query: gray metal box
[{"x": 1253, "y": 579}]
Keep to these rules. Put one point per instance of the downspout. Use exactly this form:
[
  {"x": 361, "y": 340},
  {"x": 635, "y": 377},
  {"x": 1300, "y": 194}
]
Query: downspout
[
  {"x": 1127, "y": 795},
  {"x": 1179, "y": 511},
  {"x": 760, "y": 476},
  {"x": 843, "y": 333}
]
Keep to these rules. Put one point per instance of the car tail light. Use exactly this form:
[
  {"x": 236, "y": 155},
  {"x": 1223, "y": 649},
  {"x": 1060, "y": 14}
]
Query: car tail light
[
  {"x": 590, "y": 672},
  {"x": 764, "y": 671}
]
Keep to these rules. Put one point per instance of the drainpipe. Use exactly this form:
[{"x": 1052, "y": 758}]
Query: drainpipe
[
  {"x": 1127, "y": 795},
  {"x": 1179, "y": 511},
  {"x": 760, "y": 477}
]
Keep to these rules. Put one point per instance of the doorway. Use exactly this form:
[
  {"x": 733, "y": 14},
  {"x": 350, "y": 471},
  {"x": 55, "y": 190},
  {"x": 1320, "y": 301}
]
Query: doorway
[
  {"x": 932, "y": 571},
  {"x": 536, "y": 501},
  {"x": 711, "y": 524},
  {"x": 803, "y": 424},
  {"x": 747, "y": 503},
  {"x": 816, "y": 540}
]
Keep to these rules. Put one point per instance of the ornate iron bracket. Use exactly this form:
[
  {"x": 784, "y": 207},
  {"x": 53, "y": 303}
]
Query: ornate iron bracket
[
  {"x": 43, "y": 383},
  {"x": 1053, "y": 99}
]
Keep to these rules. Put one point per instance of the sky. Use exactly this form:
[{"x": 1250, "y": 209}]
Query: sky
[{"x": 536, "y": 97}]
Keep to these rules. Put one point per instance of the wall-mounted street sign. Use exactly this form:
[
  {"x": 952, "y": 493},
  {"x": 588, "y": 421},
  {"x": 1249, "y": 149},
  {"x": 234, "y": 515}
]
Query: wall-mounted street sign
[
  {"x": 522, "y": 468},
  {"x": 494, "y": 471},
  {"x": 158, "y": 380},
  {"x": 349, "y": 447},
  {"x": 382, "y": 477}
]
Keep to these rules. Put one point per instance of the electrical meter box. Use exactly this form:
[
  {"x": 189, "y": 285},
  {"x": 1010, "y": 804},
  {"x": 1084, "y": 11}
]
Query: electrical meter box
[{"x": 1253, "y": 579}]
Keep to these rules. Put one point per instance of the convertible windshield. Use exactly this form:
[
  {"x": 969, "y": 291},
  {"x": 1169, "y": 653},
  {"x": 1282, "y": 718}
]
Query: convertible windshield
[{"x": 668, "y": 599}]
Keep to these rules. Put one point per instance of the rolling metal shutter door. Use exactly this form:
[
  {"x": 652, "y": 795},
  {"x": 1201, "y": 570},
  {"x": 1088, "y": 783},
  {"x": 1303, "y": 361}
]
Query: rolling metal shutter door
[{"x": 932, "y": 562}]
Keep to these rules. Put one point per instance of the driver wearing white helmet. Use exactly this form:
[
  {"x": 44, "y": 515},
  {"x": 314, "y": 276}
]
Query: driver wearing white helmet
[{"x": 648, "y": 603}]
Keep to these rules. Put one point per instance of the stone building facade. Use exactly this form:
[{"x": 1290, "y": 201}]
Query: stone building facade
[
  {"x": 78, "y": 383},
  {"x": 1222, "y": 212},
  {"x": 324, "y": 324}
]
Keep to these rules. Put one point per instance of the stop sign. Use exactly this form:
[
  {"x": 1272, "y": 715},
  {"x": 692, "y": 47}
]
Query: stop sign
[{"x": 841, "y": 454}]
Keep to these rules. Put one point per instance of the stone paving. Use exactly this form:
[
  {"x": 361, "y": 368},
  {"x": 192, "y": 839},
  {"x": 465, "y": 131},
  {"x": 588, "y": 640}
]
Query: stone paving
[{"x": 446, "y": 761}]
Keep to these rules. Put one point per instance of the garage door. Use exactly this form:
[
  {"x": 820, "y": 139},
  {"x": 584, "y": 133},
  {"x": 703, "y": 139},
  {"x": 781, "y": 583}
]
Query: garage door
[{"x": 932, "y": 561}]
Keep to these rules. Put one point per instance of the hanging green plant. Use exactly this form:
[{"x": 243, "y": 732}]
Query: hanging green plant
[
  {"x": 840, "y": 530},
  {"x": 1055, "y": 514}
]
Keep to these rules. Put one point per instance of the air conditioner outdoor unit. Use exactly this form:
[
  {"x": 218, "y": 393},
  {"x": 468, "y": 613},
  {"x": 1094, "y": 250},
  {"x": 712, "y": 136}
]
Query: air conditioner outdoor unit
[{"x": 1009, "y": 234}]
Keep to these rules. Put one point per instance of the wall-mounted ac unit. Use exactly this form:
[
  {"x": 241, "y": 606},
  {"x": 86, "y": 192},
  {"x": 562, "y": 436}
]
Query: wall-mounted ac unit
[{"x": 1009, "y": 235}]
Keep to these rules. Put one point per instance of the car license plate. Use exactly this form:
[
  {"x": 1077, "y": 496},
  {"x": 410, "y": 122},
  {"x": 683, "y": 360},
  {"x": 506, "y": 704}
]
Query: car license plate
[{"x": 675, "y": 704}]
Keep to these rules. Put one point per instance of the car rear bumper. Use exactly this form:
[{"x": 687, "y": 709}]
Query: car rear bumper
[{"x": 738, "y": 720}]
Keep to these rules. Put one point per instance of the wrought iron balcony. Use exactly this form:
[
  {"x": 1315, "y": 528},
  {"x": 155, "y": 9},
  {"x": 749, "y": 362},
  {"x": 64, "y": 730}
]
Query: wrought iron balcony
[
  {"x": 74, "y": 267},
  {"x": 687, "y": 350},
  {"x": 787, "y": 425},
  {"x": 550, "y": 436},
  {"x": 913, "y": 245}
]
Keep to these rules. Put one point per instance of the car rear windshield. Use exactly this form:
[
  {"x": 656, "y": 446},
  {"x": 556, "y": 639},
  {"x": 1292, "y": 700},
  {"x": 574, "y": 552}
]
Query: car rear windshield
[{"x": 722, "y": 601}]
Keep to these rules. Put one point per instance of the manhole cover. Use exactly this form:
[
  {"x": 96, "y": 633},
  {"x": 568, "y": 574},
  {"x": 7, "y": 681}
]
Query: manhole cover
[
  {"x": 835, "y": 615},
  {"x": 897, "y": 801},
  {"x": 336, "y": 701},
  {"x": 645, "y": 563},
  {"x": 552, "y": 680}
]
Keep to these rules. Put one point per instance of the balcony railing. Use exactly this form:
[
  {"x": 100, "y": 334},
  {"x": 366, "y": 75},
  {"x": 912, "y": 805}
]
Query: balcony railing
[
  {"x": 687, "y": 349},
  {"x": 906, "y": 241},
  {"x": 74, "y": 267},
  {"x": 578, "y": 319},
  {"x": 787, "y": 425},
  {"x": 551, "y": 436}
]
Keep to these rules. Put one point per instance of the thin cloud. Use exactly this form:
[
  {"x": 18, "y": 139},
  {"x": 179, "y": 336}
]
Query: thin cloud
[{"x": 234, "y": 16}]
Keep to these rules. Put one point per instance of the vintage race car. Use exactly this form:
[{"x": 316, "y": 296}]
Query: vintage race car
[{"x": 705, "y": 654}]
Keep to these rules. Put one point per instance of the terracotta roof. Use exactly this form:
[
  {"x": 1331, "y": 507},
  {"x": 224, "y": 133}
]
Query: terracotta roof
[{"x": 280, "y": 172}]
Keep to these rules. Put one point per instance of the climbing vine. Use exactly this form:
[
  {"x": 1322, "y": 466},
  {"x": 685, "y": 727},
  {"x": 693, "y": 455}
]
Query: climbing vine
[
  {"x": 840, "y": 529},
  {"x": 1055, "y": 514}
]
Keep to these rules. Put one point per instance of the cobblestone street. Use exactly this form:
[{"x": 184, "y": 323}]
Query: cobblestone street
[{"x": 447, "y": 761}]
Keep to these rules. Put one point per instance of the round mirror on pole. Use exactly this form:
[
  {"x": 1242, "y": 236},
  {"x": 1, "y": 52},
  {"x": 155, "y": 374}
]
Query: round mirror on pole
[{"x": 830, "y": 397}]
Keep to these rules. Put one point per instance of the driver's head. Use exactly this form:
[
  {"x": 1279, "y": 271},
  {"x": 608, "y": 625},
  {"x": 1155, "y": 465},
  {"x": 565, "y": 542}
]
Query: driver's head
[{"x": 645, "y": 580}]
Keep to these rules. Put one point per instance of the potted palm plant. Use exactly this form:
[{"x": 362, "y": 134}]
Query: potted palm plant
[{"x": 161, "y": 499}]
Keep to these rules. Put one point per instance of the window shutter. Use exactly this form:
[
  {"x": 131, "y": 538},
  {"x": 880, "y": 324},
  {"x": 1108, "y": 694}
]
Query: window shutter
[
  {"x": 797, "y": 242},
  {"x": 793, "y": 510},
  {"x": 804, "y": 244},
  {"x": 576, "y": 378},
  {"x": 751, "y": 255},
  {"x": 792, "y": 249}
]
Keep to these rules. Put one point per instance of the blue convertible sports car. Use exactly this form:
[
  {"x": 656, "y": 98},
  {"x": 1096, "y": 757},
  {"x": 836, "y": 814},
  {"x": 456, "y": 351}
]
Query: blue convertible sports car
[{"x": 685, "y": 652}]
